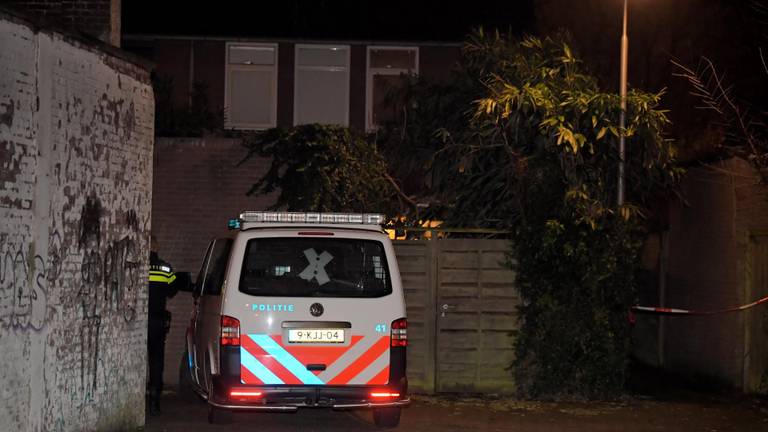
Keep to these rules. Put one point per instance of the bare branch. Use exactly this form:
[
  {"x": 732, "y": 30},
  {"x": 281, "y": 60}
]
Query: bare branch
[
  {"x": 713, "y": 94},
  {"x": 399, "y": 190}
]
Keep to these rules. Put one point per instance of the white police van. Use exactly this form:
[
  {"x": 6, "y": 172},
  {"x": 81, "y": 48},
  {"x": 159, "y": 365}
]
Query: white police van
[{"x": 299, "y": 310}]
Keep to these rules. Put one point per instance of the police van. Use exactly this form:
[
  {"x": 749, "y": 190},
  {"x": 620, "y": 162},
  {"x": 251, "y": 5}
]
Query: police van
[{"x": 299, "y": 310}]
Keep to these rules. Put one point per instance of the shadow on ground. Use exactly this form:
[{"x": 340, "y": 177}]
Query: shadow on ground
[
  {"x": 430, "y": 413},
  {"x": 656, "y": 402}
]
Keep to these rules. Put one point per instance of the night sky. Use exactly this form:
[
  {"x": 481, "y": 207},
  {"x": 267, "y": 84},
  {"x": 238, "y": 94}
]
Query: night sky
[{"x": 327, "y": 19}]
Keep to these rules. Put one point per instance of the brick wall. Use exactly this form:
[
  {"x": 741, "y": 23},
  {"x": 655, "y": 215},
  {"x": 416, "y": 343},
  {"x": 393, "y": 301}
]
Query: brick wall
[
  {"x": 198, "y": 187},
  {"x": 708, "y": 252},
  {"x": 98, "y": 18},
  {"x": 76, "y": 128}
]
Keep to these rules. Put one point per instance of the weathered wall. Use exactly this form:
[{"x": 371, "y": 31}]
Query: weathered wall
[
  {"x": 76, "y": 128},
  {"x": 710, "y": 236},
  {"x": 198, "y": 187}
]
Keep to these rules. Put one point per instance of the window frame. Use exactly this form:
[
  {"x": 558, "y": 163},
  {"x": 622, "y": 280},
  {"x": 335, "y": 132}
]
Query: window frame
[
  {"x": 215, "y": 287},
  {"x": 296, "y": 49},
  {"x": 371, "y": 71},
  {"x": 246, "y": 67}
]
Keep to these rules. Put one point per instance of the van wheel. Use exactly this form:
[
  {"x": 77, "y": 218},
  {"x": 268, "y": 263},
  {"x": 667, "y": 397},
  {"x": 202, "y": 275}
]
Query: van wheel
[
  {"x": 386, "y": 417},
  {"x": 185, "y": 387}
]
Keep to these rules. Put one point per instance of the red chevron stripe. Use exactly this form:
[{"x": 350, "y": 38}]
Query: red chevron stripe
[
  {"x": 362, "y": 362},
  {"x": 246, "y": 377},
  {"x": 268, "y": 361},
  {"x": 381, "y": 377},
  {"x": 308, "y": 354}
]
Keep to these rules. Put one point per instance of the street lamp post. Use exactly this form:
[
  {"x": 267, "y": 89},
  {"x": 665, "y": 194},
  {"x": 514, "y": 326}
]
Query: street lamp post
[{"x": 623, "y": 115}]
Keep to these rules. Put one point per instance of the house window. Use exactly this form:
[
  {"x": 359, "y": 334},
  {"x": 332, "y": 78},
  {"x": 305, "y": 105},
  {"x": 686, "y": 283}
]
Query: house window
[
  {"x": 386, "y": 67},
  {"x": 321, "y": 85},
  {"x": 251, "y": 86}
]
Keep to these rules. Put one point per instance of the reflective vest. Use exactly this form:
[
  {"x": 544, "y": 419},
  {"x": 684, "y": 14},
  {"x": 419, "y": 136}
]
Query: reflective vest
[{"x": 161, "y": 274}]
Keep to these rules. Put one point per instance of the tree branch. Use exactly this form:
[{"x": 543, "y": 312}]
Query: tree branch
[{"x": 399, "y": 190}]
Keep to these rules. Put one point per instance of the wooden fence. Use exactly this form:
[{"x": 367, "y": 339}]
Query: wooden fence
[{"x": 462, "y": 314}]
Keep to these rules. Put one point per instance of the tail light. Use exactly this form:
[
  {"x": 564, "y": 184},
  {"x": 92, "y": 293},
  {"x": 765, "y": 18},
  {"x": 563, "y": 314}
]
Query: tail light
[
  {"x": 244, "y": 394},
  {"x": 399, "y": 336},
  {"x": 230, "y": 331},
  {"x": 384, "y": 395}
]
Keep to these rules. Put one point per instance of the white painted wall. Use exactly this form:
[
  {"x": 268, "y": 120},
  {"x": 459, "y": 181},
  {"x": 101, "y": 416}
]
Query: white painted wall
[{"x": 76, "y": 136}]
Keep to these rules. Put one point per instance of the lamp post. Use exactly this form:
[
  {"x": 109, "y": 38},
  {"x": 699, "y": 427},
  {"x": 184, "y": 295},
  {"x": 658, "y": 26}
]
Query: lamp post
[{"x": 623, "y": 115}]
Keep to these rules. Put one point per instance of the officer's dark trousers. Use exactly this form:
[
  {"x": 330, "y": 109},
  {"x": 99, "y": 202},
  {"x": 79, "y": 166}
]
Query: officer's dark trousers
[{"x": 156, "y": 353}]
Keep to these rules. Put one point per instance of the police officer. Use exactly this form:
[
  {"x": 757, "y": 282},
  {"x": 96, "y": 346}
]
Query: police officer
[{"x": 162, "y": 286}]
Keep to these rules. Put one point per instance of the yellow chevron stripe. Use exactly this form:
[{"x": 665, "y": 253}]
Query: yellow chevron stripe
[{"x": 161, "y": 278}]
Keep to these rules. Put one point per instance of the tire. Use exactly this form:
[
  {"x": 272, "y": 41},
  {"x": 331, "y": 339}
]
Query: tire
[
  {"x": 386, "y": 417},
  {"x": 185, "y": 386}
]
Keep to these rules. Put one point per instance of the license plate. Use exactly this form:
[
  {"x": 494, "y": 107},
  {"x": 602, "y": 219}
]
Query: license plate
[{"x": 316, "y": 335}]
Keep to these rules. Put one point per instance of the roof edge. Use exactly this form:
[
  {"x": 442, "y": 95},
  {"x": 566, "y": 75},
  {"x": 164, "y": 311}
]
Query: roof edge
[
  {"x": 87, "y": 42},
  {"x": 388, "y": 42}
]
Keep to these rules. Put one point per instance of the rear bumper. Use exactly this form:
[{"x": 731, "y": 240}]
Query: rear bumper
[
  {"x": 291, "y": 398},
  {"x": 287, "y": 398},
  {"x": 293, "y": 408}
]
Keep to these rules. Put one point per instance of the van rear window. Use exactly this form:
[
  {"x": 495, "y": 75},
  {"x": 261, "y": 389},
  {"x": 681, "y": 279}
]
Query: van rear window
[{"x": 315, "y": 267}]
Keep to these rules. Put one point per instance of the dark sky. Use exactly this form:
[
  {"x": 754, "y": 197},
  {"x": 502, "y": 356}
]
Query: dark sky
[{"x": 326, "y": 19}]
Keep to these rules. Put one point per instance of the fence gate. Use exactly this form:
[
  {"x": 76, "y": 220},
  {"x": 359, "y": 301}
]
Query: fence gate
[{"x": 462, "y": 314}]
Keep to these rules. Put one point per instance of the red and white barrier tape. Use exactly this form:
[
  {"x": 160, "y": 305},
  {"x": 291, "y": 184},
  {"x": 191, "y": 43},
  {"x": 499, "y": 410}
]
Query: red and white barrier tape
[{"x": 673, "y": 311}]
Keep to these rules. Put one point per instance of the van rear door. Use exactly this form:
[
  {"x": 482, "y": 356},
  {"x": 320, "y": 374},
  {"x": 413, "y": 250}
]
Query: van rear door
[{"x": 317, "y": 308}]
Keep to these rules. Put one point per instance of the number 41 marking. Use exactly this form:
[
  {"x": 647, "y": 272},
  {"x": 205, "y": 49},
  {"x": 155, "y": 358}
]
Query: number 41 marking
[{"x": 381, "y": 328}]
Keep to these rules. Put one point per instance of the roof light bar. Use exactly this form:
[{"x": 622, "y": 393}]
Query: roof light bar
[{"x": 312, "y": 218}]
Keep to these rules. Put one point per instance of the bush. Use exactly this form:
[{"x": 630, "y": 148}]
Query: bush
[
  {"x": 540, "y": 159},
  {"x": 322, "y": 168},
  {"x": 577, "y": 285}
]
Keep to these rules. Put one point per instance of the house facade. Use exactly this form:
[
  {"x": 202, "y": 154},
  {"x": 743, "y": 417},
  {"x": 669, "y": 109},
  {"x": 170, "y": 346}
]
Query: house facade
[{"x": 263, "y": 83}]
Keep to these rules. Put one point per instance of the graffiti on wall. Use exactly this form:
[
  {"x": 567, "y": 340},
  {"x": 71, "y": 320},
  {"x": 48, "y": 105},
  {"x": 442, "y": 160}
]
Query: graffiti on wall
[
  {"x": 24, "y": 285},
  {"x": 110, "y": 282},
  {"x": 89, "y": 244},
  {"x": 121, "y": 277}
]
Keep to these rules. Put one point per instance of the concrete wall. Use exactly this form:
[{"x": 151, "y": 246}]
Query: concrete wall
[
  {"x": 76, "y": 128},
  {"x": 711, "y": 238},
  {"x": 198, "y": 187}
]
